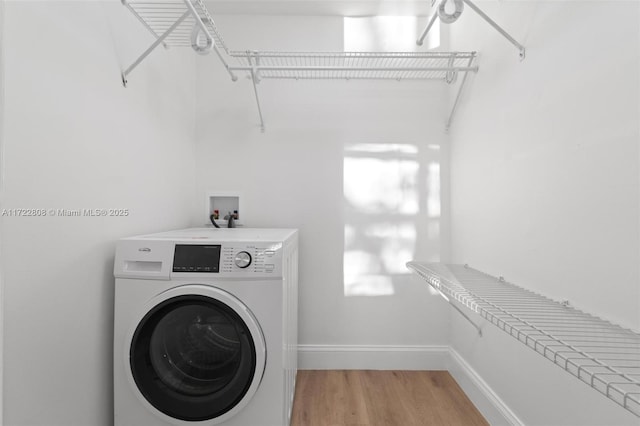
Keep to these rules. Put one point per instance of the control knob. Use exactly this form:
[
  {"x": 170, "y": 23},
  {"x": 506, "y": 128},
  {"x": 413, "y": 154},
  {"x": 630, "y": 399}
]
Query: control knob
[{"x": 242, "y": 259}]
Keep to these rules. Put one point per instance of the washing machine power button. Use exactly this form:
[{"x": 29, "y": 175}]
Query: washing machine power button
[{"x": 242, "y": 259}]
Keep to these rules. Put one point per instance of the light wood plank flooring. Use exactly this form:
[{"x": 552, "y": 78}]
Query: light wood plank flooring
[{"x": 381, "y": 398}]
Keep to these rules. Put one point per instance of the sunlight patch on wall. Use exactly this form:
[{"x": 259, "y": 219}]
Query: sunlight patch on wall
[
  {"x": 433, "y": 233},
  {"x": 379, "y": 185},
  {"x": 386, "y": 34},
  {"x": 362, "y": 275},
  {"x": 378, "y": 148},
  {"x": 433, "y": 191},
  {"x": 399, "y": 242},
  {"x": 382, "y": 204}
]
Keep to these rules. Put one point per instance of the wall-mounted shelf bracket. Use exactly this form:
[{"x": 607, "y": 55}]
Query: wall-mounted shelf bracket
[
  {"x": 456, "y": 101},
  {"x": 143, "y": 22},
  {"x": 213, "y": 41},
  {"x": 159, "y": 40},
  {"x": 435, "y": 284},
  {"x": 254, "y": 62},
  {"x": 461, "y": 312},
  {"x": 180, "y": 23},
  {"x": 450, "y": 18}
]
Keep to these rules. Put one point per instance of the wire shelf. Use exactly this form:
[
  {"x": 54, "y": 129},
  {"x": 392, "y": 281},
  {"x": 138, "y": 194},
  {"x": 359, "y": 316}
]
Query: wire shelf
[
  {"x": 159, "y": 15},
  {"x": 356, "y": 65},
  {"x": 188, "y": 23},
  {"x": 601, "y": 354}
]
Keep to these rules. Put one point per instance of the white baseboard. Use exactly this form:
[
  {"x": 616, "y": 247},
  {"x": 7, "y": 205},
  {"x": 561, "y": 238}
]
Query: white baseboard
[
  {"x": 380, "y": 357},
  {"x": 427, "y": 357},
  {"x": 480, "y": 393}
]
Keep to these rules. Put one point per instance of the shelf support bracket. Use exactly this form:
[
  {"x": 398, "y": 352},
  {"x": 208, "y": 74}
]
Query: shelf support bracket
[
  {"x": 411, "y": 266},
  {"x": 484, "y": 16},
  {"x": 497, "y": 27},
  {"x": 255, "y": 91},
  {"x": 142, "y": 21},
  {"x": 254, "y": 80},
  {"x": 457, "y": 100},
  {"x": 257, "y": 56},
  {"x": 461, "y": 312},
  {"x": 155, "y": 44},
  {"x": 432, "y": 20},
  {"x": 205, "y": 30}
]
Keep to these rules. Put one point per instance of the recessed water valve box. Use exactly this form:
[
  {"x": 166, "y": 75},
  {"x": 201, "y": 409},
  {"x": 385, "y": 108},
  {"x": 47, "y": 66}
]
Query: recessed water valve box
[{"x": 221, "y": 204}]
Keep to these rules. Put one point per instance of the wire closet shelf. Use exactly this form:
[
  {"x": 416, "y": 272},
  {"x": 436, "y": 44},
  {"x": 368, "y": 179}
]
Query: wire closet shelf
[
  {"x": 601, "y": 354},
  {"x": 188, "y": 23},
  {"x": 355, "y": 65},
  {"x": 182, "y": 20}
]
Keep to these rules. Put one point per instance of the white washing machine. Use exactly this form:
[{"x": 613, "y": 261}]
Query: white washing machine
[{"x": 205, "y": 327}]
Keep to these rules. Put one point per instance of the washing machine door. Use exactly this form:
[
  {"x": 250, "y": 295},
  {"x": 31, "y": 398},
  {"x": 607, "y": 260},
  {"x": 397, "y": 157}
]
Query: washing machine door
[{"x": 196, "y": 355}]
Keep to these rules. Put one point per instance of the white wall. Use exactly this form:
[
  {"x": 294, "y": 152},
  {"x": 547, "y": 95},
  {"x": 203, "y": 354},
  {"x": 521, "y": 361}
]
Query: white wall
[
  {"x": 75, "y": 138},
  {"x": 544, "y": 183},
  {"x": 385, "y": 137},
  {"x": 1, "y": 204}
]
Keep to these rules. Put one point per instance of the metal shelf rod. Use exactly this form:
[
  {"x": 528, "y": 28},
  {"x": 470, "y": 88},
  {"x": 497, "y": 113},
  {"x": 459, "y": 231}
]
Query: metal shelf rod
[
  {"x": 341, "y": 68},
  {"x": 432, "y": 20},
  {"x": 351, "y": 55}
]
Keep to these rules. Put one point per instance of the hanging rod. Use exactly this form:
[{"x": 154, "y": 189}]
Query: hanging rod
[
  {"x": 449, "y": 18},
  {"x": 603, "y": 355},
  {"x": 304, "y": 70}
]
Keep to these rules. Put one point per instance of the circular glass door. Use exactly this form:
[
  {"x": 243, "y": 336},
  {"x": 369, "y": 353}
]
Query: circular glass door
[{"x": 193, "y": 357}]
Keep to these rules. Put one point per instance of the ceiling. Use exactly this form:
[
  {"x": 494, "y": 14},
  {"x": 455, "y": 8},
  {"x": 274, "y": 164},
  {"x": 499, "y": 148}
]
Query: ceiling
[{"x": 320, "y": 7}]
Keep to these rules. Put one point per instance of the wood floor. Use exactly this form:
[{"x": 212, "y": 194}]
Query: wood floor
[{"x": 381, "y": 398}]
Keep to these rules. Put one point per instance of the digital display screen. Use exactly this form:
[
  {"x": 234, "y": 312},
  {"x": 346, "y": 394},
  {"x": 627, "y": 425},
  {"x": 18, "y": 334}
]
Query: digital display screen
[{"x": 196, "y": 258}]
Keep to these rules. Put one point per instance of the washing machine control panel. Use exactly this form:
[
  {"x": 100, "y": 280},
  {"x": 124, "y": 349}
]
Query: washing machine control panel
[
  {"x": 201, "y": 258},
  {"x": 251, "y": 259},
  {"x": 236, "y": 259}
]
